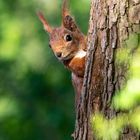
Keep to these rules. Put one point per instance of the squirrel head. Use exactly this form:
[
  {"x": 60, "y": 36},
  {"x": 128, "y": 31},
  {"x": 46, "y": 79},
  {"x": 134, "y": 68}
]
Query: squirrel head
[{"x": 64, "y": 40}]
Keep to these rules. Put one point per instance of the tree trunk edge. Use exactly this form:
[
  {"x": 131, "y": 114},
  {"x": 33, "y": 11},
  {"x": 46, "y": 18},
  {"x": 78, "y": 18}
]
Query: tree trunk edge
[{"x": 107, "y": 29}]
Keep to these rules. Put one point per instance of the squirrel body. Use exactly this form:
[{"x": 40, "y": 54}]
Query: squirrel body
[
  {"x": 69, "y": 46},
  {"x": 76, "y": 65}
]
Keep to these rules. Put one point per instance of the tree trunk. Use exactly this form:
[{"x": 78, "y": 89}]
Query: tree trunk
[{"x": 111, "y": 22}]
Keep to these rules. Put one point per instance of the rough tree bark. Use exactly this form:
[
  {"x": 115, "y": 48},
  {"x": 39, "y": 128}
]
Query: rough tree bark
[{"x": 111, "y": 22}]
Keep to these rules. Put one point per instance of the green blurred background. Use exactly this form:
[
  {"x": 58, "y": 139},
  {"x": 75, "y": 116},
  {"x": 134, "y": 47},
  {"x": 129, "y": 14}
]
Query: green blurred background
[{"x": 36, "y": 94}]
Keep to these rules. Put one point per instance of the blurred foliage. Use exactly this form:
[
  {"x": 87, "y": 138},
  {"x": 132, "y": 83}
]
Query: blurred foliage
[
  {"x": 108, "y": 129},
  {"x": 127, "y": 99},
  {"x": 36, "y": 95},
  {"x": 132, "y": 58}
]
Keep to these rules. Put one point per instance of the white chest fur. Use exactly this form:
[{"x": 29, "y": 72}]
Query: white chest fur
[{"x": 80, "y": 54}]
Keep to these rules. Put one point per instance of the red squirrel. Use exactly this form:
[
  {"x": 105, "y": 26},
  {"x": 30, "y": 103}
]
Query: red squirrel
[{"x": 69, "y": 46}]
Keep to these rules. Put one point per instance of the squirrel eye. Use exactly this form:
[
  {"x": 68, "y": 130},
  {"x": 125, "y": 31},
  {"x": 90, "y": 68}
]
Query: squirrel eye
[{"x": 68, "y": 38}]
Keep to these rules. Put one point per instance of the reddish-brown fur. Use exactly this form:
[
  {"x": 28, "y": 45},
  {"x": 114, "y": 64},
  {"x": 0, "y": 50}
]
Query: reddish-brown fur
[
  {"x": 76, "y": 65},
  {"x": 67, "y": 51}
]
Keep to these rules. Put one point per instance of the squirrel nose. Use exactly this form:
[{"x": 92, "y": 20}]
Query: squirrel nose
[{"x": 58, "y": 54}]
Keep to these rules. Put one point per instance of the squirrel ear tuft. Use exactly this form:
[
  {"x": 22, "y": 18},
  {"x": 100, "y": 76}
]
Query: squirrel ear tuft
[
  {"x": 69, "y": 23},
  {"x": 65, "y": 8},
  {"x": 44, "y": 22}
]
